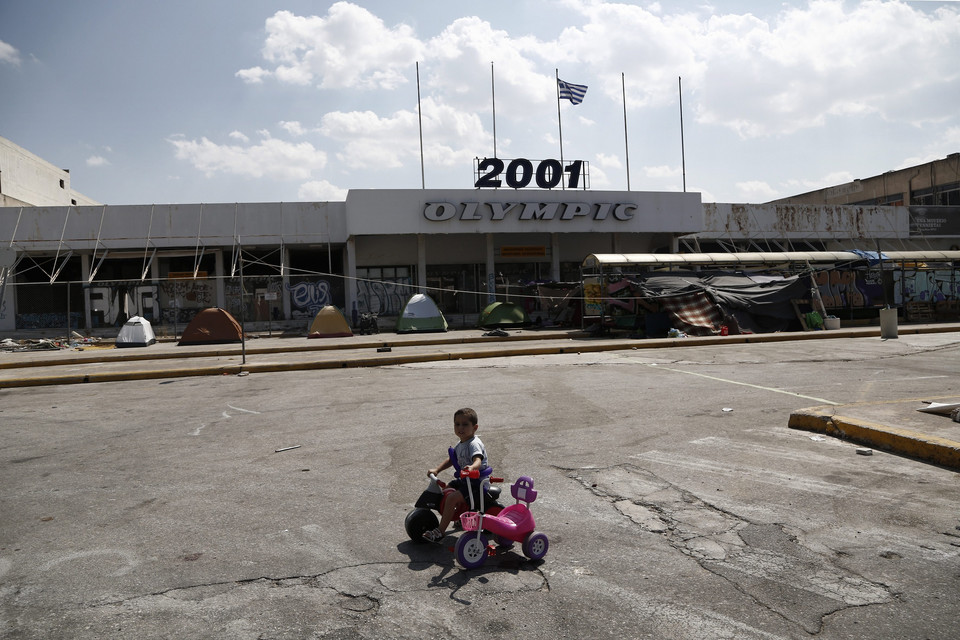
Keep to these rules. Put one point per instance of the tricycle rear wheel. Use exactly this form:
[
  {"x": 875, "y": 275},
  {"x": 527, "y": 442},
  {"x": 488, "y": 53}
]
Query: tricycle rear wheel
[{"x": 535, "y": 545}]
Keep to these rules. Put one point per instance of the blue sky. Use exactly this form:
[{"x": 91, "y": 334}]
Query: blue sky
[{"x": 261, "y": 101}]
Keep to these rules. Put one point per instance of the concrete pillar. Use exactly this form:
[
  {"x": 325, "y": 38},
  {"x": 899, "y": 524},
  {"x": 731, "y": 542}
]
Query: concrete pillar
[
  {"x": 85, "y": 277},
  {"x": 350, "y": 289},
  {"x": 422, "y": 262},
  {"x": 555, "y": 257},
  {"x": 491, "y": 271},
  {"x": 285, "y": 283},
  {"x": 219, "y": 273}
]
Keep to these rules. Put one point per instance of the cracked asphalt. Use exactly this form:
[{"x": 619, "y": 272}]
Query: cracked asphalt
[{"x": 677, "y": 502}]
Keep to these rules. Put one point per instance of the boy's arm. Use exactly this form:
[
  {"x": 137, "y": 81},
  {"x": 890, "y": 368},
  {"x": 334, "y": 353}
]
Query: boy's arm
[
  {"x": 440, "y": 467},
  {"x": 477, "y": 463}
]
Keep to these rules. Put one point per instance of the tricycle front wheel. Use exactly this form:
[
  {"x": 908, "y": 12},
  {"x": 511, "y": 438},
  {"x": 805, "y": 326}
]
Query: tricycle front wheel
[{"x": 472, "y": 550}]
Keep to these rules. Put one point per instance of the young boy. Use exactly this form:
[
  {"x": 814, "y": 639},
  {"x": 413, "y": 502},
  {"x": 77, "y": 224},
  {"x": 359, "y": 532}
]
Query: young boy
[{"x": 471, "y": 456}]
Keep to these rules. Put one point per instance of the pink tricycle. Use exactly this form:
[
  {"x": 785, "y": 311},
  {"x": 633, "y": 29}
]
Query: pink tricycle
[{"x": 513, "y": 524}]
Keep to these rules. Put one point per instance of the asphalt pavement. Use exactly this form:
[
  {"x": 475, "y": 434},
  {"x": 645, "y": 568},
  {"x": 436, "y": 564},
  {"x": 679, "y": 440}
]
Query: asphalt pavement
[
  {"x": 893, "y": 425},
  {"x": 677, "y": 502}
]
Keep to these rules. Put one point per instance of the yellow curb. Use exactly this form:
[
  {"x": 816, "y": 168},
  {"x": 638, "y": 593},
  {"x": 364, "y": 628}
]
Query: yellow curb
[{"x": 893, "y": 439}]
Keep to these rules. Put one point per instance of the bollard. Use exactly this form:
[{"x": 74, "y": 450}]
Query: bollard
[{"x": 888, "y": 323}]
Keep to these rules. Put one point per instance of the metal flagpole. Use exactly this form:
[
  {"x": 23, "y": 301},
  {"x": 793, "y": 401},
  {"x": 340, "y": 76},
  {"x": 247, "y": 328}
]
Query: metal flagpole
[
  {"x": 683, "y": 159},
  {"x": 626, "y": 144},
  {"x": 493, "y": 96},
  {"x": 423, "y": 182},
  {"x": 559, "y": 123}
]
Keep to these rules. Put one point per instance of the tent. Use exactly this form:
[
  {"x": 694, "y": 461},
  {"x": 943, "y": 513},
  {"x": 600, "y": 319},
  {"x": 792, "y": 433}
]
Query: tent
[
  {"x": 698, "y": 303},
  {"x": 329, "y": 323},
  {"x": 136, "y": 332},
  {"x": 503, "y": 314},
  {"x": 212, "y": 326},
  {"x": 421, "y": 314}
]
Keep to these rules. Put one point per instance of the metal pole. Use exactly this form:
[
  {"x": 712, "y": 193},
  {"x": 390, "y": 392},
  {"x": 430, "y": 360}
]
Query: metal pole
[
  {"x": 559, "y": 124},
  {"x": 493, "y": 96},
  {"x": 683, "y": 158},
  {"x": 626, "y": 144},
  {"x": 423, "y": 180},
  {"x": 243, "y": 330}
]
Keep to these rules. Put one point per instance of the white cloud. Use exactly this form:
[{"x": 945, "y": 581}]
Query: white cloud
[
  {"x": 607, "y": 161},
  {"x": 349, "y": 47},
  {"x": 97, "y": 161},
  {"x": 755, "y": 191},
  {"x": 450, "y": 136},
  {"x": 271, "y": 158},
  {"x": 662, "y": 171},
  {"x": 239, "y": 135},
  {"x": 826, "y": 59},
  {"x": 9, "y": 54},
  {"x": 294, "y": 128},
  {"x": 321, "y": 190},
  {"x": 253, "y": 75}
]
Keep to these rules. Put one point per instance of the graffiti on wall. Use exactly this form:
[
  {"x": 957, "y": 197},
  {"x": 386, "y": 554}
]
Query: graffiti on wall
[
  {"x": 308, "y": 297},
  {"x": 111, "y": 304},
  {"x": 51, "y": 320},
  {"x": 382, "y": 297},
  {"x": 183, "y": 298},
  {"x": 843, "y": 288},
  {"x": 925, "y": 286}
]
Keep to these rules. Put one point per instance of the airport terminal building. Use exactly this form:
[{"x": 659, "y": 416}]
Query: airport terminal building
[{"x": 277, "y": 264}]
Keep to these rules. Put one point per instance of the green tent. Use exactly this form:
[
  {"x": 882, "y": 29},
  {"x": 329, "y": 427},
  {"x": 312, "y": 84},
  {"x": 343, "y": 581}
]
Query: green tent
[
  {"x": 421, "y": 314},
  {"x": 504, "y": 314}
]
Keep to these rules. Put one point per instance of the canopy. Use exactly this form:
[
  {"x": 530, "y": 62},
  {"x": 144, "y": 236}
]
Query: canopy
[{"x": 601, "y": 260}]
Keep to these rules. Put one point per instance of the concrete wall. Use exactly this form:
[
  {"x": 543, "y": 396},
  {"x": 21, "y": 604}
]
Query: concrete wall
[
  {"x": 803, "y": 222},
  {"x": 26, "y": 179},
  {"x": 140, "y": 226}
]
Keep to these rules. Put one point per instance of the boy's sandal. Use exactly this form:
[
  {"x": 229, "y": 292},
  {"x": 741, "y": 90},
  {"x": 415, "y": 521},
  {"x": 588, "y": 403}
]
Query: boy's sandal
[{"x": 433, "y": 535}]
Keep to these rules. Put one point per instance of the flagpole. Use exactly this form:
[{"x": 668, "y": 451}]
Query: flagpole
[
  {"x": 559, "y": 122},
  {"x": 493, "y": 96},
  {"x": 683, "y": 159},
  {"x": 423, "y": 182},
  {"x": 626, "y": 144}
]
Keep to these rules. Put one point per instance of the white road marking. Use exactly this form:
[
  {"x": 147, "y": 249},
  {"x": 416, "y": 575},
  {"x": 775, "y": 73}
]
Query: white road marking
[{"x": 744, "y": 384}]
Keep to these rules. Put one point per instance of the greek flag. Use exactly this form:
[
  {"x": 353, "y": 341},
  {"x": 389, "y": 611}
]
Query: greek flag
[{"x": 572, "y": 92}]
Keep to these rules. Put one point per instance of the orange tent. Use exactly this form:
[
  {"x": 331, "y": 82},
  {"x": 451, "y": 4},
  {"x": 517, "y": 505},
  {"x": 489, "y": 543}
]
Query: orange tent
[
  {"x": 212, "y": 326},
  {"x": 329, "y": 323}
]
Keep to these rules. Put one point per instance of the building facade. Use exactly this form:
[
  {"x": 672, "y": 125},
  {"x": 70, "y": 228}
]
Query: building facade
[
  {"x": 28, "y": 180},
  {"x": 277, "y": 264},
  {"x": 932, "y": 184}
]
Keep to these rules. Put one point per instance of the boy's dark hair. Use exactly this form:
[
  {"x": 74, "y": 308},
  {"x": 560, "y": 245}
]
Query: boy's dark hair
[{"x": 468, "y": 413}]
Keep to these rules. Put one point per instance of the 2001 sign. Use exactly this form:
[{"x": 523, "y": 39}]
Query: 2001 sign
[{"x": 520, "y": 173}]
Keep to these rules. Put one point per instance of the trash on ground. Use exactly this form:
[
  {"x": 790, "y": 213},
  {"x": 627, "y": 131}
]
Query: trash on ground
[
  {"x": 296, "y": 446},
  {"x": 818, "y": 438},
  {"x": 863, "y": 451},
  {"x": 727, "y": 409}
]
